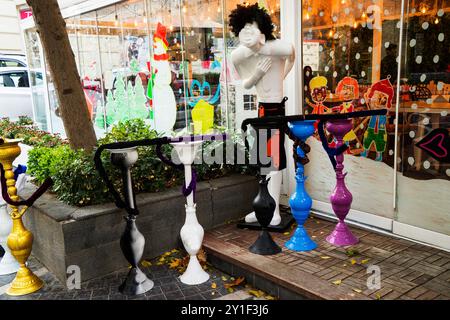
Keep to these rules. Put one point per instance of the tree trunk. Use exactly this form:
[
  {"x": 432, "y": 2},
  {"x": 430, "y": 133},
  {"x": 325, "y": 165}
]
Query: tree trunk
[{"x": 61, "y": 61}]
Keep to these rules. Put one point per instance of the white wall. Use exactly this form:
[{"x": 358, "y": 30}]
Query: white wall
[{"x": 10, "y": 33}]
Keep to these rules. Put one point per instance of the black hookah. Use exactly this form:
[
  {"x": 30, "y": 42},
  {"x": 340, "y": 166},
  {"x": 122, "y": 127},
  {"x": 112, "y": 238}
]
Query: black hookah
[
  {"x": 263, "y": 204},
  {"x": 132, "y": 243}
]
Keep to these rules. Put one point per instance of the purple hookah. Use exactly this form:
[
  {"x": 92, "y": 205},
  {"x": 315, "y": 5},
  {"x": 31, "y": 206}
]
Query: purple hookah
[{"x": 341, "y": 198}]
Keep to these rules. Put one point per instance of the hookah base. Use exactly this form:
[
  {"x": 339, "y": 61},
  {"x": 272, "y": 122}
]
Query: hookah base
[
  {"x": 25, "y": 282},
  {"x": 194, "y": 273},
  {"x": 136, "y": 283},
  {"x": 286, "y": 221},
  {"x": 342, "y": 236},
  {"x": 300, "y": 241},
  {"x": 264, "y": 245}
]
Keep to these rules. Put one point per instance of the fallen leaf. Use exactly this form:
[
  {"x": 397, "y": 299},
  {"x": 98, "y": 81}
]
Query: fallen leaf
[
  {"x": 201, "y": 255},
  {"x": 230, "y": 290},
  {"x": 174, "y": 264},
  {"x": 353, "y": 261},
  {"x": 286, "y": 233},
  {"x": 268, "y": 297},
  {"x": 357, "y": 290},
  {"x": 256, "y": 293},
  {"x": 224, "y": 278},
  {"x": 337, "y": 282},
  {"x": 365, "y": 261},
  {"x": 146, "y": 263},
  {"x": 175, "y": 251},
  {"x": 213, "y": 285},
  {"x": 378, "y": 296},
  {"x": 162, "y": 259},
  {"x": 344, "y": 265},
  {"x": 325, "y": 257},
  {"x": 351, "y": 252},
  {"x": 236, "y": 282},
  {"x": 166, "y": 254}
]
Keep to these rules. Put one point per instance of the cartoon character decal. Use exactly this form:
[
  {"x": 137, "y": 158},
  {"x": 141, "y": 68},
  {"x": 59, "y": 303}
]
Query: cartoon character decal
[
  {"x": 318, "y": 89},
  {"x": 347, "y": 90},
  {"x": 379, "y": 96}
]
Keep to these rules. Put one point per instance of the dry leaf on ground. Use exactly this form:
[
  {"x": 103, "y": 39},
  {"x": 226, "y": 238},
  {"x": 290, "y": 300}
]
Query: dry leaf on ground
[
  {"x": 337, "y": 282},
  {"x": 146, "y": 263},
  {"x": 236, "y": 282},
  {"x": 256, "y": 293}
]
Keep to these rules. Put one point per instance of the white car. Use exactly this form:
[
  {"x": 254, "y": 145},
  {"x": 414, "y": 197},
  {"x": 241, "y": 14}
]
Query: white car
[
  {"x": 15, "y": 92},
  {"x": 12, "y": 60}
]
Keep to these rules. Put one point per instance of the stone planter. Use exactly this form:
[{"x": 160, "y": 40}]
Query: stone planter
[{"x": 89, "y": 237}]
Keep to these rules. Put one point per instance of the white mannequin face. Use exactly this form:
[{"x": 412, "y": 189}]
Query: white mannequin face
[{"x": 250, "y": 35}]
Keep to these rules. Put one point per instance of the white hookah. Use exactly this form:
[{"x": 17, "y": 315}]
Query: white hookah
[{"x": 192, "y": 232}]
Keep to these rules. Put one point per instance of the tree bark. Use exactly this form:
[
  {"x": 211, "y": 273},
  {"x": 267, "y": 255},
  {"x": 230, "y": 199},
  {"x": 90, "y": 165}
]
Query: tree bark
[{"x": 61, "y": 61}]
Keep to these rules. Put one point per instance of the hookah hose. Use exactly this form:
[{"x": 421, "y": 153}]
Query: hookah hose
[
  {"x": 281, "y": 122},
  {"x": 332, "y": 152},
  {"x": 28, "y": 202},
  {"x": 186, "y": 190},
  {"x": 101, "y": 170},
  {"x": 192, "y": 185}
]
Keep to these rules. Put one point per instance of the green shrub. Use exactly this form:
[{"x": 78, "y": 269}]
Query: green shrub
[
  {"x": 76, "y": 181},
  {"x": 30, "y": 134}
]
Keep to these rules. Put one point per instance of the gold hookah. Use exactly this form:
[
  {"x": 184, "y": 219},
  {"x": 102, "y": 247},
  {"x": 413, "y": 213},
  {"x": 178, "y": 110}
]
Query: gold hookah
[{"x": 20, "y": 240}]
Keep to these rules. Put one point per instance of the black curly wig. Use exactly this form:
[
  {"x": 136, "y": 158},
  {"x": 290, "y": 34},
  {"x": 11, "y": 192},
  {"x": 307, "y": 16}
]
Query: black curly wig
[{"x": 242, "y": 15}]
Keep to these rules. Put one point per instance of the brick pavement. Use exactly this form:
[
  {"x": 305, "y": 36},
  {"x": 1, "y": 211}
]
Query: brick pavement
[{"x": 408, "y": 270}]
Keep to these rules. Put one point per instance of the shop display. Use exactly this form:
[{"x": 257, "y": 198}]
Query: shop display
[
  {"x": 124, "y": 155},
  {"x": 263, "y": 62},
  {"x": 301, "y": 127},
  {"x": 20, "y": 240},
  {"x": 300, "y": 202}
]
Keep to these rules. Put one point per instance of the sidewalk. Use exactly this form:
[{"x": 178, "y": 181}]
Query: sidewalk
[
  {"x": 408, "y": 270},
  {"x": 167, "y": 285}
]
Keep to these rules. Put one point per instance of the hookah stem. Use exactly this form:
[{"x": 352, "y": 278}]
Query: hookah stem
[{"x": 128, "y": 188}]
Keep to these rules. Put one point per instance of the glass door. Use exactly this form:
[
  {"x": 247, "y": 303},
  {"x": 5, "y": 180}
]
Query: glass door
[
  {"x": 423, "y": 179},
  {"x": 37, "y": 75}
]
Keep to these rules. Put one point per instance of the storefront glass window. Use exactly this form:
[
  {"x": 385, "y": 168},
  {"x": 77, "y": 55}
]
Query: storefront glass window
[{"x": 424, "y": 170}]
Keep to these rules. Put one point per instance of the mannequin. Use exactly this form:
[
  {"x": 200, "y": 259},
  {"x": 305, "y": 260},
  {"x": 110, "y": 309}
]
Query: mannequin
[{"x": 263, "y": 62}]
